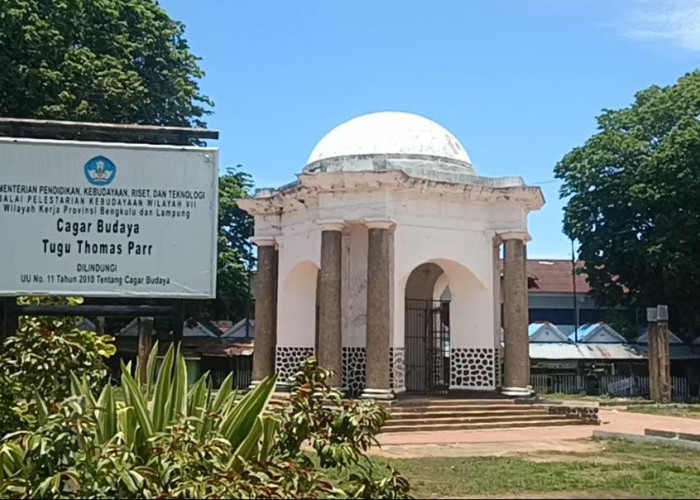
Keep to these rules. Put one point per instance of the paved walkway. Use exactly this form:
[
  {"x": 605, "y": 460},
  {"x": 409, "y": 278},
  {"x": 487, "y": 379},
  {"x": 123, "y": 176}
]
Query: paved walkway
[{"x": 611, "y": 420}]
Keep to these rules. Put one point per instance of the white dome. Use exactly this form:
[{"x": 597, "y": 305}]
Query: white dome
[{"x": 393, "y": 134}]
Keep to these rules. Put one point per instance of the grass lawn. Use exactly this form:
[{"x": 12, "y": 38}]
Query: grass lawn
[
  {"x": 620, "y": 469},
  {"x": 670, "y": 410}
]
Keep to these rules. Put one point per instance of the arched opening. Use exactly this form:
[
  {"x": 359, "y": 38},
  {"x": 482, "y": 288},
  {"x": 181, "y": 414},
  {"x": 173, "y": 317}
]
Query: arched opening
[
  {"x": 300, "y": 305},
  {"x": 427, "y": 330}
]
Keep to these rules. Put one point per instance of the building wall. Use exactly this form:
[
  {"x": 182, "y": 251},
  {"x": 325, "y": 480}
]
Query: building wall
[
  {"x": 459, "y": 238},
  {"x": 354, "y": 292},
  {"x": 430, "y": 227},
  {"x": 299, "y": 246},
  {"x": 559, "y": 308}
]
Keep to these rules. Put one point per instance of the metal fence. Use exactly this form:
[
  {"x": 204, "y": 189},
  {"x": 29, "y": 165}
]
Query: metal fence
[
  {"x": 624, "y": 386},
  {"x": 240, "y": 366},
  {"x": 427, "y": 362},
  {"x": 558, "y": 383},
  {"x": 219, "y": 368},
  {"x": 611, "y": 385}
]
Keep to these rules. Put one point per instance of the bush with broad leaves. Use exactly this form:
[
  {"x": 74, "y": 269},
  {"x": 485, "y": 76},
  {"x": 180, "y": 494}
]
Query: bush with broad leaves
[
  {"x": 167, "y": 440},
  {"x": 40, "y": 359}
]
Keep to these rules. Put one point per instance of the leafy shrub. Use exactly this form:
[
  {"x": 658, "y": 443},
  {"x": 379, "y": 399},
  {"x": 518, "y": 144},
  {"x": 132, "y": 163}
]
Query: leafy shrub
[
  {"x": 165, "y": 440},
  {"x": 40, "y": 359},
  {"x": 341, "y": 432},
  {"x": 162, "y": 440}
]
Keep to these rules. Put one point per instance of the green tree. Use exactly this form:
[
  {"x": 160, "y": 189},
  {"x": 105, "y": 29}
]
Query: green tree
[
  {"x": 235, "y": 257},
  {"x": 39, "y": 360},
  {"x": 634, "y": 205},
  {"x": 235, "y": 260},
  {"x": 163, "y": 440},
  {"x": 119, "y": 61}
]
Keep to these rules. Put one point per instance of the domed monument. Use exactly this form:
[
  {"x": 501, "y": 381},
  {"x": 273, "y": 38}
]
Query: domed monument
[{"x": 383, "y": 259}]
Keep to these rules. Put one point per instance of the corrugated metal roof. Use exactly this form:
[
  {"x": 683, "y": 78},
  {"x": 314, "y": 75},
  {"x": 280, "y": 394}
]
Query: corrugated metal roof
[
  {"x": 545, "y": 332},
  {"x": 561, "y": 350},
  {"x": 644, "y": 336},
  {"x": 239, "y": 330},
  {"x": 589, "y": 332},
  {"x": 604, "y": 351}
]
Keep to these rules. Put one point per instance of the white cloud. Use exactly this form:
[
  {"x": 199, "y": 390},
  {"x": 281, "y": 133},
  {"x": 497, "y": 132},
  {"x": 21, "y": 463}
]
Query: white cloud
[{"x": 673, "y": 21}]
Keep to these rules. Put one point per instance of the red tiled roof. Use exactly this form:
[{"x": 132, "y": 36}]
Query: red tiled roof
[{"x": 554, "y": 276}]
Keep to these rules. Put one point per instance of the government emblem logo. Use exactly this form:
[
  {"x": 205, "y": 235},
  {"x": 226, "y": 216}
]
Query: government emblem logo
[{"x": 100, "y": 171}]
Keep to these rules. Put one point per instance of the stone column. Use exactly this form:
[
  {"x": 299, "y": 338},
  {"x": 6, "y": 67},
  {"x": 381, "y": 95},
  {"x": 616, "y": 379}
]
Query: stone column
[
  {"x": 378, "y": 341},
  {"x": 516, "y": 376},
  {"x": 664, "y": 362},
  {"x": 330, "y": 339},
  {"x": 653, "y": 360},
  {"x": 265, "y": 310}
]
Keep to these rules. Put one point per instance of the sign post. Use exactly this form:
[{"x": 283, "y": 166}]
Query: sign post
[
  {"x": 106, "y": 210},
  {"x": 108, "y": 220}
]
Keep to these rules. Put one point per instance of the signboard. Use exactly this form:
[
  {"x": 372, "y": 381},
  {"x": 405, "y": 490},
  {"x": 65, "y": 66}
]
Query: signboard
[{"x": 107, "y": 220}]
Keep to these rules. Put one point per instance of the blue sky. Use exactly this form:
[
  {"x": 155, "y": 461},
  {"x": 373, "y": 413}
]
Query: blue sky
[{"x": 519, "y": 82}]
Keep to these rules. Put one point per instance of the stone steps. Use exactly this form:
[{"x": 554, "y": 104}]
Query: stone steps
[
  {"x": 458, "y": 419},
  {"x": 458, "y": 408},
  {"x": 418, "y": 415},
  {"x": 422, "y": 402},
  {"x": 426, "y": 414},
  {"x": 410, "y": 427}
]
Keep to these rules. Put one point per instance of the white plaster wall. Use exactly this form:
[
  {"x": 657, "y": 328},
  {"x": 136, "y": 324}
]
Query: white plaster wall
[
  {"x": 354, "y": 283},
  {"x": 296, "y": 313},
  {"x": 458, "y": 237},
  {"x": 441, "y": 286},
  {"x": 458, "y": 254},
  {"x": 267, "y": 225},
  {"x": 431, "y": 226},
  {"x": 355, "y": 206},
  {"x": 299, "y": 261}
]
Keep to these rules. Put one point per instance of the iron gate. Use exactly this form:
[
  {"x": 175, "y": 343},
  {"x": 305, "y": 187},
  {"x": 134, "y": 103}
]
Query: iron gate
[{"x": 427, "y": 362}]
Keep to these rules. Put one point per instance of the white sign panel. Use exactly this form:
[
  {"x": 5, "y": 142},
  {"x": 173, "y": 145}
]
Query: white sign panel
[{"x": 109, "y": 220}]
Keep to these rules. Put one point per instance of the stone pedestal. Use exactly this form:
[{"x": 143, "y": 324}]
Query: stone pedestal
[
  {"x": 664, "y": 363},
  {"x": 330, "y": 342},
  {"x": 659, "y": 363},
  {"x": 378, "y": 341},
  {"x": 265, "y": 310},
  {"x": 516, "y": 370}
]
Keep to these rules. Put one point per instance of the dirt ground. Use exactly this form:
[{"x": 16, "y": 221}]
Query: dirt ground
[
  {"x": 442, "y": 464},
  {"x": 611, "y": 420},
  {"x": 566, "y": 495},
  {"x": 492, "y": 449}
]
